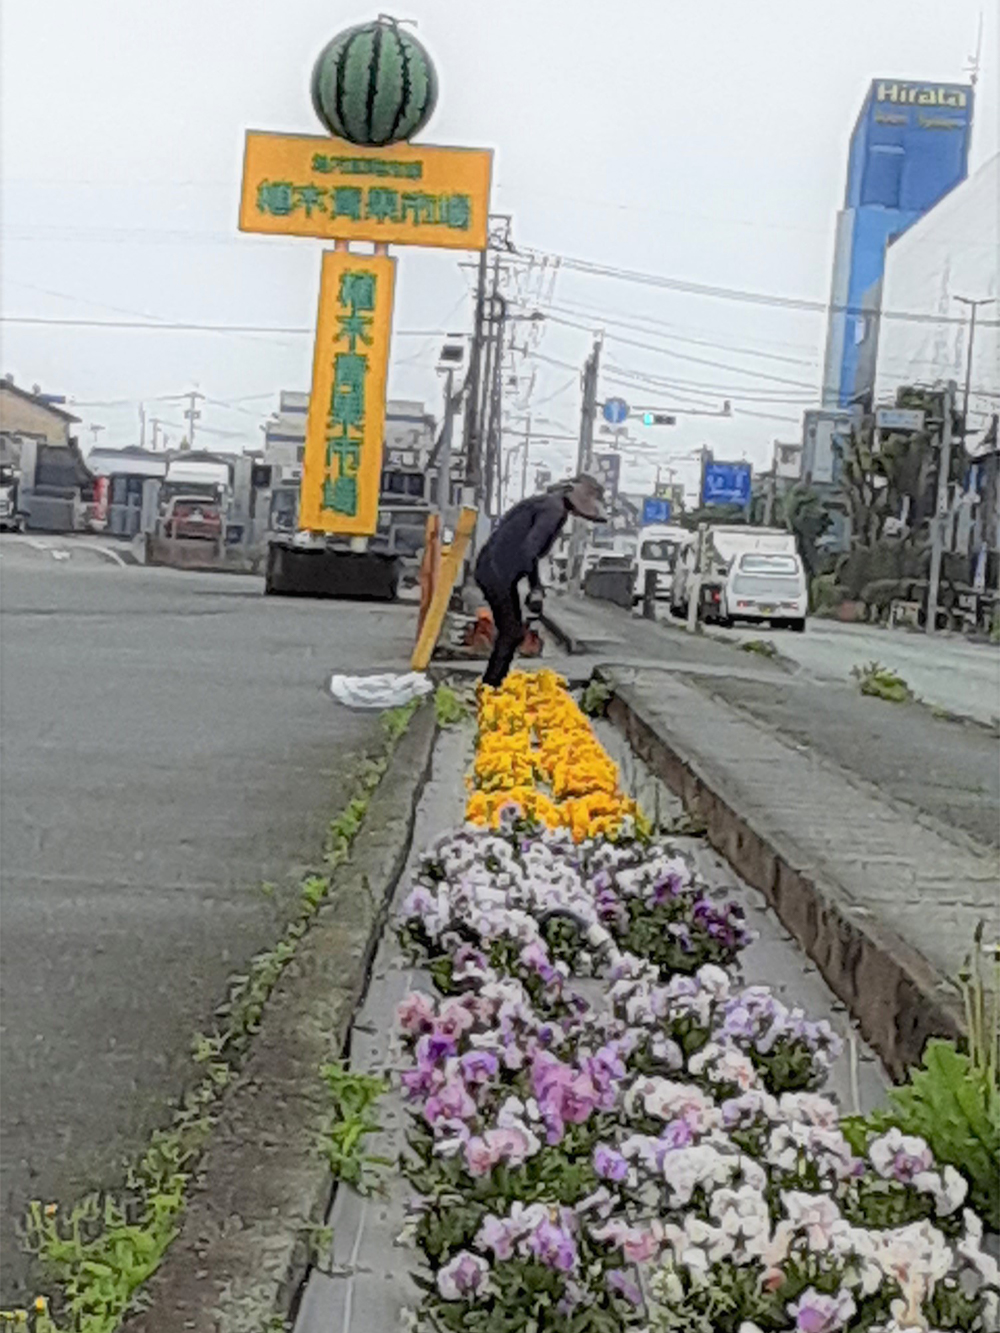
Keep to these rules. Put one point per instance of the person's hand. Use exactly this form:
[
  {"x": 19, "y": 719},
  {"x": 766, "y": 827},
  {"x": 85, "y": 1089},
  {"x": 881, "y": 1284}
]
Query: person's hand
[{"x": 534, "y": 601}]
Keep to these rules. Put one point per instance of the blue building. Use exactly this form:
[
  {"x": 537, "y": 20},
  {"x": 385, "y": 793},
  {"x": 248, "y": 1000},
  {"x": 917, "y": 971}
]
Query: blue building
[{"x": 910, "y": 146}]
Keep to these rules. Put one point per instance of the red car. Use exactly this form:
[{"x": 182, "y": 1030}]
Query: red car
[{"x": 193, "y": 516}]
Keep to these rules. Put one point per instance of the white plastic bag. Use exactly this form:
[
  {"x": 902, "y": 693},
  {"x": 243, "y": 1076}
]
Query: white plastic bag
[{"x": 386, "y": 691}]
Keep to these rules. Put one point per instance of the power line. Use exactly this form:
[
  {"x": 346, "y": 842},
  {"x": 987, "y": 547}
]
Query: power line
[
  {"x": 183, "y": 327},
  {"x": 736, "y": 294},
  {"x": 686, "y": 356},
  {"x": 603, "y": 318}
]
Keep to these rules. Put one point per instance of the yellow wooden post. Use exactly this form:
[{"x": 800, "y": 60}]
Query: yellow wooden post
[{"x": 451, "y": 563}]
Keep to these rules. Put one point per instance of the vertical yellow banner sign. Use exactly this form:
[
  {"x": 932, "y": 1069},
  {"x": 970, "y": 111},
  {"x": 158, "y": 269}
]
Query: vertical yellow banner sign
[{"x": 342, "y": 467}]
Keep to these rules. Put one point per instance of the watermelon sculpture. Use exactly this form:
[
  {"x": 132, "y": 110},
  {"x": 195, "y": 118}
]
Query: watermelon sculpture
[{"x": 374, "y": 84}]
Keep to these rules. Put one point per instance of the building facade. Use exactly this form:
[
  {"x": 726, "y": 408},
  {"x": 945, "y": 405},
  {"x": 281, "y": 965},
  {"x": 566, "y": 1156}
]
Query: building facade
[
  {"x": 30, "y": 415},
  {"x": 285, "y": 436},
  {"x": 952, "y": 253},
  {"x": 909, "y": 148}
]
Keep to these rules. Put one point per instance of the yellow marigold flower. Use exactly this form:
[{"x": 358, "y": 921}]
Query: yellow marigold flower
[{"x": 536, "y": 751}]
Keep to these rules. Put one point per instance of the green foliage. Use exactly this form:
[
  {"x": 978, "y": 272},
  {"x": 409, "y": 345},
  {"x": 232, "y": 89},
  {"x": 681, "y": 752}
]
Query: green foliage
[
  {"x": 882, "y": 683},
  {"x": 953, "y": 1101},
  {"x": 881, "y": 469},
  {"x": 824, "y": 595},
  {"x": 762, "y": 647},
  {"x": 101, "y": 1250},
  {"x": 449, "y": 709},
  {"x": 808, "y": 518},
  {"x": 396, "y": 720},
  {"x": 353, "y": 1119},
  {"x": 596, "y": 698},
  {"x": 956, "y": 1109}
]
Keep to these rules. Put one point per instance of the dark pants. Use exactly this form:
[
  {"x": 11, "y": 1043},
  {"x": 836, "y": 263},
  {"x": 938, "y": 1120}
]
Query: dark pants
[{"x": 506, "y": 607}]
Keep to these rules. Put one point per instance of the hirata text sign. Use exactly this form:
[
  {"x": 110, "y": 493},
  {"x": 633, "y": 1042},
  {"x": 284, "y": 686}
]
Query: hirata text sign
[
  {"x": 313, "y": 185},
  {"x": 342, "y": 467}
]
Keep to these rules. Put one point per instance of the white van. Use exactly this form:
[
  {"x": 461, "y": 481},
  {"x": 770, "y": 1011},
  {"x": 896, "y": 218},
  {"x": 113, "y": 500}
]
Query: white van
[
  {"x": 767, "y": 586},
  {"x": 660, "y": 547},
  {"x": 751, "y": 574}
]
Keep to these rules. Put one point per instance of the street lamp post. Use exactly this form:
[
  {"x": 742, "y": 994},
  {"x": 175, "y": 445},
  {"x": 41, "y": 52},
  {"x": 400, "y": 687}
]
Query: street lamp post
[{"x": 973, "y": 305}]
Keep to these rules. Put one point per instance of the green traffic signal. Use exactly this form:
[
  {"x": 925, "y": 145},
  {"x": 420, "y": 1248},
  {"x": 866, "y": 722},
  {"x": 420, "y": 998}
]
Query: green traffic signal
[{"x": 647, "y": 418}]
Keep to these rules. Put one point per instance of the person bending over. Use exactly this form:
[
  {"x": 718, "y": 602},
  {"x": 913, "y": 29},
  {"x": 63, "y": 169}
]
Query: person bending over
[{"x": 525, "y": 534}]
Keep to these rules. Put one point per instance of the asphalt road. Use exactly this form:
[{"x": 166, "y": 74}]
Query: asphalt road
[
  {"x": 168, "y": 746},
  {"x": 943, "y": 669}
]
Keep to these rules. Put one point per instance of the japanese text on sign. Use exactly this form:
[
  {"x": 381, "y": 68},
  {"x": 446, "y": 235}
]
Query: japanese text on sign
[
  {"x": 305, "y": 185},
  {"x": 375, "y": 204},
  {"x": 344, "y": 432}
]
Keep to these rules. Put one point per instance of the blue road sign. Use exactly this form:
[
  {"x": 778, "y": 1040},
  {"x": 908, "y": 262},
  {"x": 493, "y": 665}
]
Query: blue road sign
[
  {"x": 726, "y": 484},
  {"x": 615, "y": 411},
  {"x": 655, "y": 510}
]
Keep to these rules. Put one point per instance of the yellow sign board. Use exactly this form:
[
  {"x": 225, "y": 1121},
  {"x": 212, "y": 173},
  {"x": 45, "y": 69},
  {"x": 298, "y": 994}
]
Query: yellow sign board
[
  {"x": 312, "y": 185},
  {"x": 342, "y": 467}
]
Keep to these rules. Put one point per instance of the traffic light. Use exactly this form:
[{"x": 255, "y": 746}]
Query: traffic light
[{"x": 658, "y": 419}]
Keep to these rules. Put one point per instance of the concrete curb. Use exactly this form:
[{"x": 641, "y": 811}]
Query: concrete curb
[
  {"x": 897, "y": 997},
  {"x": 574, "y": 646},
  {"x": 778, "y": 658},
  {"x": 263, "y": 1187}
]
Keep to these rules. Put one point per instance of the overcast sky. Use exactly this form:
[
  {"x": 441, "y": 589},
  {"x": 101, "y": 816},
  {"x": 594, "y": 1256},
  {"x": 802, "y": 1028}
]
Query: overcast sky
[{"x": 705, "y": 142}]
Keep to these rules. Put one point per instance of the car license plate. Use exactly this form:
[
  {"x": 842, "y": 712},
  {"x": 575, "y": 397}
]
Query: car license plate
[{"x": 767, "y": 610}]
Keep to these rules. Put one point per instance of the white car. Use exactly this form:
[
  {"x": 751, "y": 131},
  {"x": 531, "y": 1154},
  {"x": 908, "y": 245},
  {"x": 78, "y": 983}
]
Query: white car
[{"x": 762, "y": 585}]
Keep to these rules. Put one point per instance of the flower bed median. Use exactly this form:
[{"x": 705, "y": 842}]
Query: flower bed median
[{"x": 607, "y": 1129}]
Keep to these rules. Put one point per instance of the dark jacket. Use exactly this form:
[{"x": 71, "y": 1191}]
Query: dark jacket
[{"x": 520, "y": 539}]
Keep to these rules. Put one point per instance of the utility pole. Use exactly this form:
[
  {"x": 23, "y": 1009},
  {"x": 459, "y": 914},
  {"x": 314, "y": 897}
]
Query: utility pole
[
  {"x": 192, "y": 414},
  {"x": 444, "y": 455},
  {"x": 584, "y": 457},
  {"x": 142, "y": 425},
  {"x": 155, "y": 422},
  {"x": 585, "y": 451},
  {"x": 494, "y": 393},
  {"x": 524, "y": 460},
  {"x": 97, "y": 430},
  {"x": 973, "y": 307},
  {"x": 472, "y": 439},
  {"x": 941, "y": 514}
]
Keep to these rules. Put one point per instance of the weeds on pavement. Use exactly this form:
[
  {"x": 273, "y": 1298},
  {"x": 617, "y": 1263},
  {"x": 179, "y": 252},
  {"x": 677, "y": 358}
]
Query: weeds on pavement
[
  {"x": 449, "y": 709},
  {"x": 595, "y": 699},
  {"x": 882, "y": 683},
  {"x": 343, "y": 1139},
  {"x": 762, "y": 647}
]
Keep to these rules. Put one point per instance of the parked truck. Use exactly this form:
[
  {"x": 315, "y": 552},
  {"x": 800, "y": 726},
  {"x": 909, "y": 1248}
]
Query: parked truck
[
  {"x": 741, "y": 573},
  {"x": 660, "y": 549},
  {"x": 295, "y": 563}
]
